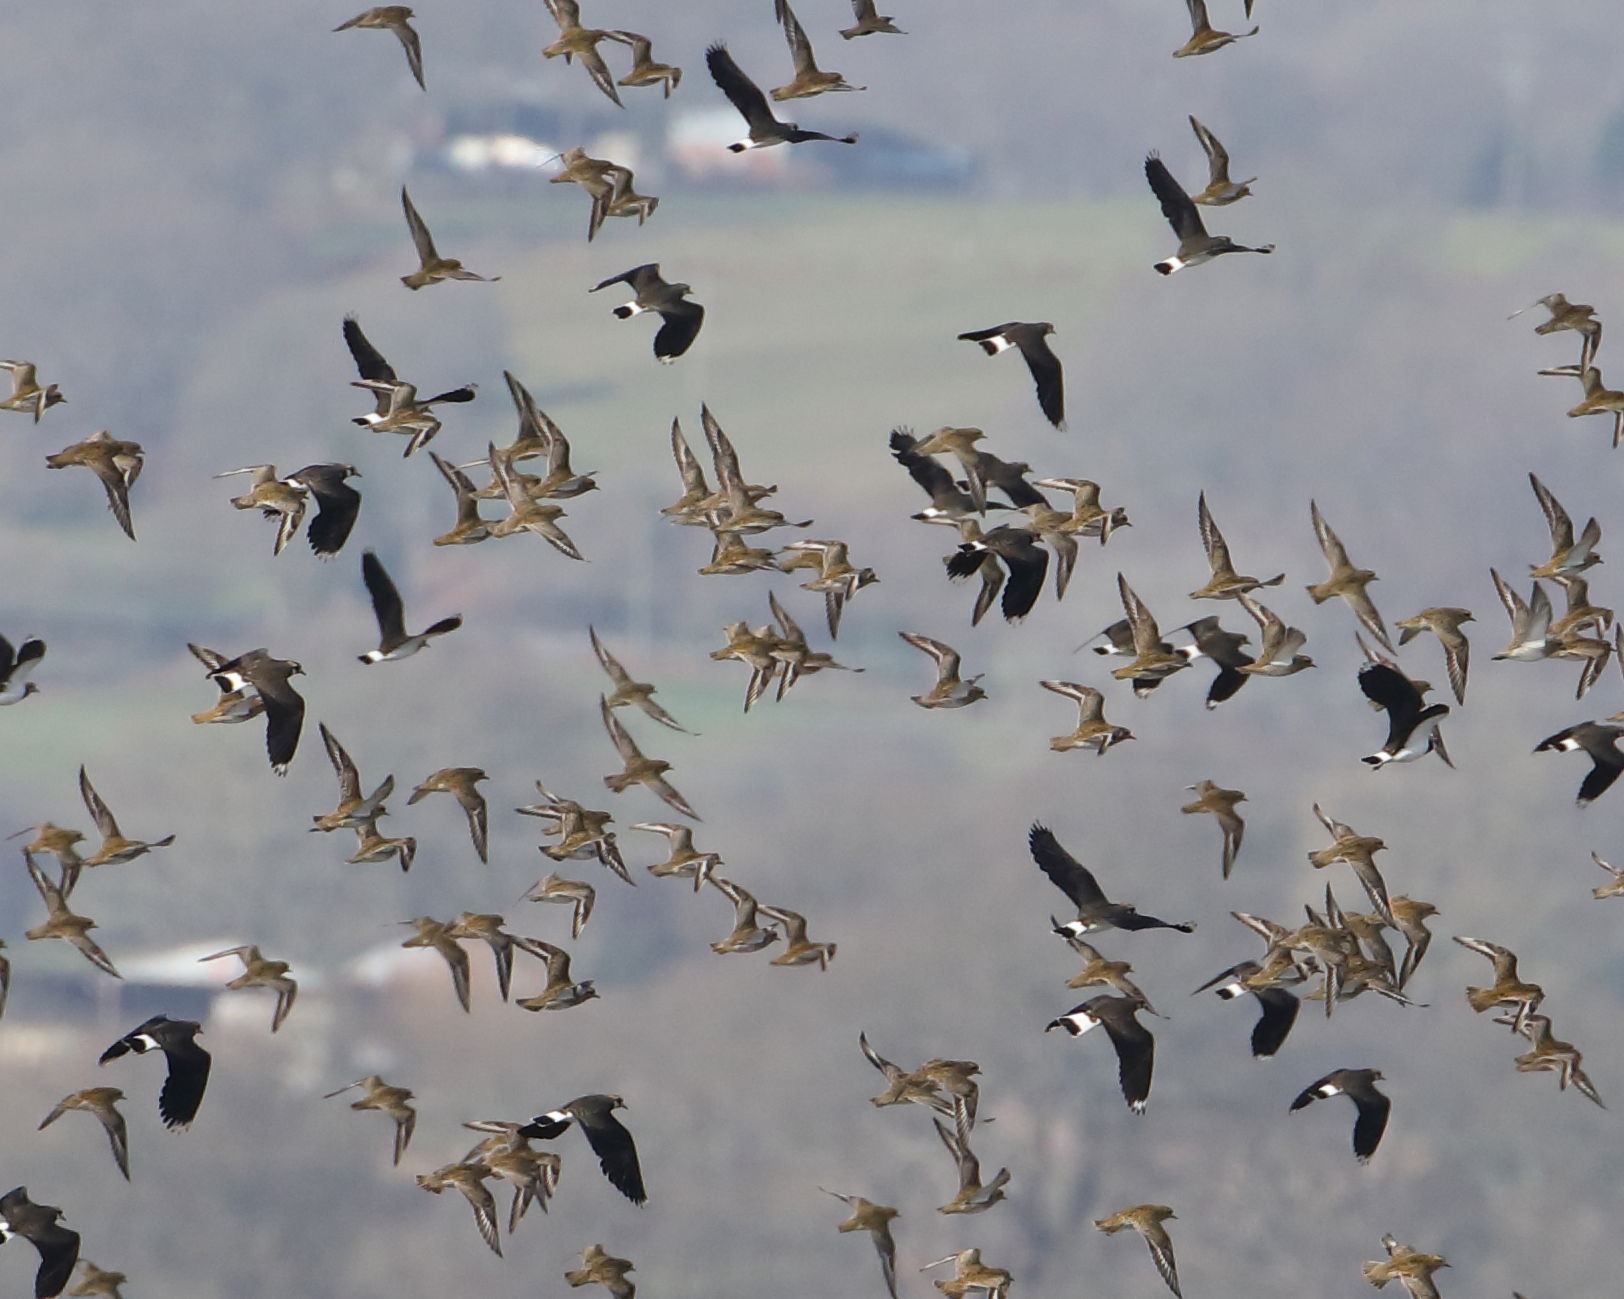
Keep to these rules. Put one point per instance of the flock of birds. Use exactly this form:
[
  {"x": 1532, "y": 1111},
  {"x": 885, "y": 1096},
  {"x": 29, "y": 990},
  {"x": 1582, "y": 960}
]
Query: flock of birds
[{"x": 1009, "y": 534}]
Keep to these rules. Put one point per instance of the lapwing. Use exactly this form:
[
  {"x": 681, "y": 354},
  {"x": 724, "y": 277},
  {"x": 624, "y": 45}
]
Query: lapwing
[
  {"x": 15, "y": 665},
  {"x": 38, "y": 1224},
  {"x": 1135, "y": 1047},
  {"x": 1094, "y": 911},
  {"x": 1279, "y": 1006},
  {"x": 1600, "y": 741},
  {"x": 284, "y": 706},
  {"x": 1195, "y": 244},
  {"x": 188, "y": 1064},
  {"x": 337, "y": 505},
  {"x": 680, "y": 318},
  {"x": 1412, "y": 730},
  {"x": 1359, "y": 1086},
  {"x": 607, "y": 1135},
  {"x": 1223, "y": 649},
  {"x": 765, "y": 129},
  {"x": 394, "y": 643},
  {"x": 1031, "y": 339}
]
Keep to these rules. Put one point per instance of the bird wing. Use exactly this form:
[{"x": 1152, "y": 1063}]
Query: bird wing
[
  {"x": 422, "y": 240},
  {"x": 1217, "y": 155},
  {"x": 624, "y": 744},
  {"x": 617, "y": 1155},
  {"x": 98, "y": 810},
  {"x": 1212, "y": 539},
  {"x": 741, "y": 92},
  {"x": 1065, "y": 872},
  {"x": 680, "y": 326},
  {"x": 369, "y": 362},
  {"x": 386, "y": 602},
  {"x": 1556, "y": 518},
  {"x": 183, "y": 1087},
  {"x": 1177, "y": 206},
  {"x": 414, "y": 49}
]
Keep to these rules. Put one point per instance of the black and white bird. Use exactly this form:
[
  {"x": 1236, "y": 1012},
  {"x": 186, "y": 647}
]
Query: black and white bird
[
  {"x": 188, "y": 1064},
  {"x": 393, "y": 641},
  {"x": 1135, "y": 1047},
  {"x": 1195, "y": 244},
  {"x": 337, "y": 504},
  {"x": 1359, "y": 1086},
  {"x": 1031, "y": 340},
  {"x": 1600, "y": 741},
  {"x": 1280, "y": 1006},
  {"x": 1412, "y": 731},
  {"x": 1077, "y": 882},
  {"x": 607, "y": 1135},
  {"x": 765, "y": 129},
  {"x": 58, "y": 1246},
  {"x": 1026, "y": 562},
  {"x": 680, "y": 319},
  {"x": 284, "y": 707},
  {"x": 15, "y": 665}
]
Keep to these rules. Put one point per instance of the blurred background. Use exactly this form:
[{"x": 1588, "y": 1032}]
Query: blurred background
[{"x": 198, "y": 195}]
